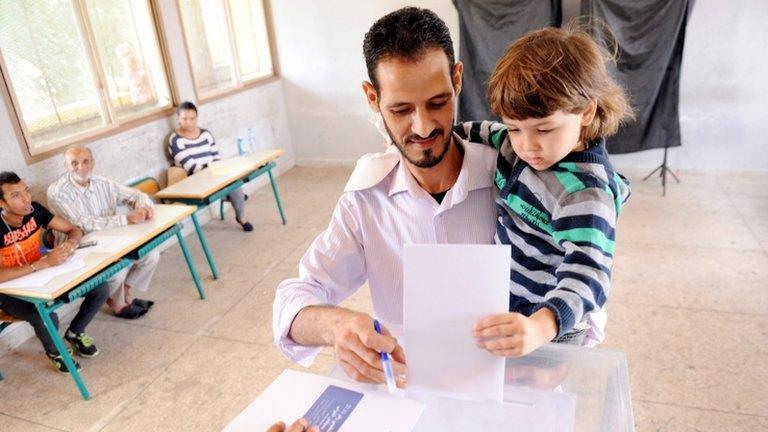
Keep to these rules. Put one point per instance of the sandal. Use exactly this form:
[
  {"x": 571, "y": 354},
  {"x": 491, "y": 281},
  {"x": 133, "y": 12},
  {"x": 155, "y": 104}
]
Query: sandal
[
  {"x": 144, "y": 304},
  {"x": 132, "y": 311}
]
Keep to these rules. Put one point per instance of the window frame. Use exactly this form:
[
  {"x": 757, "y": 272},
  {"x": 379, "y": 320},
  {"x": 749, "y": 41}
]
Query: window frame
[
  {"x": 241, "y": 85},
  {"x": 57, "y": 147}
]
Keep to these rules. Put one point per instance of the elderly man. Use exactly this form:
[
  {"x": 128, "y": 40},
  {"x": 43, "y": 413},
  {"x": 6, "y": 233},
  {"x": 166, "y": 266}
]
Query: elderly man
[
  {"x": 90, "y": 202},
  {"x": 429, "y": 187}
]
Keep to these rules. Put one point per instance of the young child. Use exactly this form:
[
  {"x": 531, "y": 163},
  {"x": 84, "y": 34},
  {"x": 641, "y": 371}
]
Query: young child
[{"x": 559, "y": 195}]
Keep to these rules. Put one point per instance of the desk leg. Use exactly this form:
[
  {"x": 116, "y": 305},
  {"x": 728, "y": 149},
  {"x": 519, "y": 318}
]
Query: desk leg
[
  {"x": 53, "y": 331},
  {"x": 204, "y": 244},
  {"x": 190, "y": 265},
  {"x": 277, "y": 195}
]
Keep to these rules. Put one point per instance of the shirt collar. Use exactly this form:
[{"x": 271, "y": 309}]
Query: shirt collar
[{"x": 476, "y": 173}]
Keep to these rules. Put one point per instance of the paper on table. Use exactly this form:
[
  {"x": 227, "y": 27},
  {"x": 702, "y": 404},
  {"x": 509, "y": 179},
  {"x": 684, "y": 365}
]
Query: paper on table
[
  {"x": 228, "y": 166},
  {"x": 290, "y": 396},
  {"x": 42, "y": 277},
  {"x": 447, "y": 288},
  {"x": 107, "y": 243}
]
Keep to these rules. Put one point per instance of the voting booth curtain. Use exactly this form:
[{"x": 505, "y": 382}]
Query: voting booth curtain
[{"x": 649, "y": 35}]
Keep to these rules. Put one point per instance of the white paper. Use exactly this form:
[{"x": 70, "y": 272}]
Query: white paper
[
  {"x": 106, "y": 243},
  {"x": 290, "y": 396},
  {"x": 447, "y": 289},
  {"x": 42, "y": 277}
]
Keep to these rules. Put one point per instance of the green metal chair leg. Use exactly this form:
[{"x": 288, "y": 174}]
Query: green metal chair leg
[
  {"x": 54, "y": 333},
  {"x": 277, "y": 195},
  {"x": 221, "y": 209},
  {"x": 204, "y": 244},
  {"x": 191, "y": 265}
]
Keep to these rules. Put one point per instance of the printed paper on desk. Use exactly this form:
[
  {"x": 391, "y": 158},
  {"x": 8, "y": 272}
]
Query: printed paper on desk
[
  {"x": 447, "y": 289},
  {"x": 342, "y": 406},
  {"x": 107, "y": 243},
  {"x": 42, "y": 277}
]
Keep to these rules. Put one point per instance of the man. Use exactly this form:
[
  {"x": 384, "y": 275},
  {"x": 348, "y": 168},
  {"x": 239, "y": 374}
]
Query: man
[
  {"x": 432, "y": 188},
  {"x": 22, "y": 252},
  {"x": 90, "y": 202}
]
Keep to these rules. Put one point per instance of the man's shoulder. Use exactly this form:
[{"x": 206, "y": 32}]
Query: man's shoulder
[
  {"x": 371, "y": 169},
  {"x": 58, "y": 185}
]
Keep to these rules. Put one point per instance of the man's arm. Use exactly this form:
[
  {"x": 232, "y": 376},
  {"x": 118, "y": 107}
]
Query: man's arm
[
  {"x": 73, "y": 233},
  {"x": 305, "y": 315},
  {"x": 58, "y": 255}
]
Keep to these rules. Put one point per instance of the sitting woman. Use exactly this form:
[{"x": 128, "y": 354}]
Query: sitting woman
[{"x": 193, "y": 148}]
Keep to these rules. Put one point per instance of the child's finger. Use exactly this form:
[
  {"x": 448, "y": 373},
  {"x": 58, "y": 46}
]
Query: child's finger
[
  {"x": 500, "y": 330},
  {"x": 499, "y": 344},
  {"x": 494, "y": 320}
]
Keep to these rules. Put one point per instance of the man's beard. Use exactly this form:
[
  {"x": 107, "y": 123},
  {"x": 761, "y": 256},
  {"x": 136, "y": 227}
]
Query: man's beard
[{"x": 428, "y": 159}]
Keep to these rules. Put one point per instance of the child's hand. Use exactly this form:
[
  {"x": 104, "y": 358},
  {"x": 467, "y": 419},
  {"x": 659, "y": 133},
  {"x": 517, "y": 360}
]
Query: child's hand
[{"x": 514, "y": 334}]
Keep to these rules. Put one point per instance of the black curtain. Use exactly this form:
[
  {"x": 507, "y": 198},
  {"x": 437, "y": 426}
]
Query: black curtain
[
  {"x": 486, "y": 28},
  {"x": 650, "y": 35}
]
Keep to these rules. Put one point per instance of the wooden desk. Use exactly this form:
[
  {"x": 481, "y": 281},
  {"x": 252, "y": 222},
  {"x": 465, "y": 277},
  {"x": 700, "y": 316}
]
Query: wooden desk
[
  {"x": 217, "y": 181},
  {"x": 100, "y": 266}
]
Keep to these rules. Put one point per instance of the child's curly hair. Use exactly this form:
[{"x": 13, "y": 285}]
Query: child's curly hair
[{"x": 558, "y": 69}]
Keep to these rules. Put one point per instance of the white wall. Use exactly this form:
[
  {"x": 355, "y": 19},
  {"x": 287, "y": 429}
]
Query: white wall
[
  {"x": 722, "y": 96},
  {"x": 320, "y": 44},
  {"x": 139, "y": 152}
]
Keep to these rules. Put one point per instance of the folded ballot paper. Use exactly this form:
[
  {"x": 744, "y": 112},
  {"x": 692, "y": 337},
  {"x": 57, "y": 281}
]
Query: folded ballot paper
[{"x": 333, "y": 405}]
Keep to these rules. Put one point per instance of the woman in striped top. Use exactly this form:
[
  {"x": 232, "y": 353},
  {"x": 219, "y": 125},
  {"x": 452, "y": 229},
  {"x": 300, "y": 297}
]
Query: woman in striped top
[{"x": 193, "y": 148}]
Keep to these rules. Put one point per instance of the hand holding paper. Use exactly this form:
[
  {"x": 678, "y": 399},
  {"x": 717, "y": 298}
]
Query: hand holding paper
[{"x": 513, "y": 334}]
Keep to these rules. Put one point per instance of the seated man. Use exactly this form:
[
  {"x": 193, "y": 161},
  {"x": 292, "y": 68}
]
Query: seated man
[
  {"x": 22, "y": 252},
  {"x": 90, "y": 202}
]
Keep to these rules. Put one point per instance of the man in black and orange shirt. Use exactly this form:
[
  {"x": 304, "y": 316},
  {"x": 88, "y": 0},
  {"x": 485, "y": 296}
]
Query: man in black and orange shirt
[{"x": 22, "y": 252}]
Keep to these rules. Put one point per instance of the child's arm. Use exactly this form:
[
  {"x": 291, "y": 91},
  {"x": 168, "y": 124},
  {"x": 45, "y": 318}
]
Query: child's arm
[
  {"x": 483, "y": 132},
  {"x": 584, "y": 225}
]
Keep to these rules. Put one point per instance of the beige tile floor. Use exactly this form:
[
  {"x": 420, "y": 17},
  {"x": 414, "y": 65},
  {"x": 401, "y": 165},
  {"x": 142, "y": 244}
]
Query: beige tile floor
[{"x": 689, "y": 307}]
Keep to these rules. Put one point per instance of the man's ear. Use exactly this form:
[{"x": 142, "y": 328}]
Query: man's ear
[
  {"x": 458, "y": 72},
  {"x": 589, "y": 113},
  {"x": 371, "y": 96}
]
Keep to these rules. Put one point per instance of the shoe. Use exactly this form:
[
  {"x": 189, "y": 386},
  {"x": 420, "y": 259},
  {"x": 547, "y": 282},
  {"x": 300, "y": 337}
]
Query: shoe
[
  {"x": 247, "y": 227},
  {"x": 82, "y": 344},
  {"x": 132, "y": 311},
  {"x": 146, "y": 304},
  {"x": 58, "y": 363}
]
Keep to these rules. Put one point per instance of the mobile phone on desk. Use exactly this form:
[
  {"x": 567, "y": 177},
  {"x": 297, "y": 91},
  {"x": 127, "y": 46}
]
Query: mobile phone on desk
[{"x": 87, "y": 244}]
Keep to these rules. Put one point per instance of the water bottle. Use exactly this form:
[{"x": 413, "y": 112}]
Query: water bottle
[
  {"x": 251, "y": 139},
  {"x": 240, "y": 149}
]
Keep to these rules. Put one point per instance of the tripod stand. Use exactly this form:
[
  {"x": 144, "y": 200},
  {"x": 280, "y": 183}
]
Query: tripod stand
[{"x": 664, "y": 170}]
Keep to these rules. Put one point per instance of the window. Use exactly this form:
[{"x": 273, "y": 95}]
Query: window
[
  {"x": 77, "y": 68},
  {"x": 227, "y": 43}
]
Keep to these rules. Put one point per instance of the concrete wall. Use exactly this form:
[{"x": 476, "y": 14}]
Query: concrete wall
[{"x": 321, "y": 59}]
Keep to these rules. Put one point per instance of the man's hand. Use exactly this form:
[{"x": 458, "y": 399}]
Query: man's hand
[
  {"x": 513, "y": 334},
  {"x": 58, "y": 255},
  {"x": 357, "y": 347},
  {"x": 149, "y": 212},
  {"x": 299, "y": 425},
  {"x": 137, "y": 216}
]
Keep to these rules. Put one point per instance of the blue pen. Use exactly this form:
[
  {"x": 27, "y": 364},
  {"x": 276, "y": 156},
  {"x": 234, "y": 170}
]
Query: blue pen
[{"x": 387, "y": 363}]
